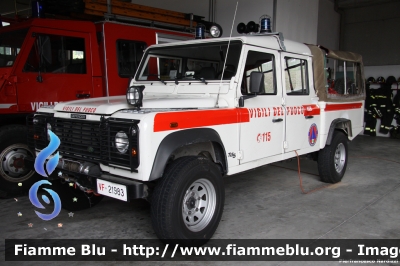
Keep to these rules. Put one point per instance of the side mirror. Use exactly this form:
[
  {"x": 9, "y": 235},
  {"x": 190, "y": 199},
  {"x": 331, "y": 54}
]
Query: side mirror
[
  {"x": 256, "y": 82},
  {"x": 256, "y": 86}
]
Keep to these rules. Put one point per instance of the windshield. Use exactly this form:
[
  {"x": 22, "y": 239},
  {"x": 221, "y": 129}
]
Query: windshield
[
  {"x": 203, "y": 61},
  {"x": 10, "y": 45}
]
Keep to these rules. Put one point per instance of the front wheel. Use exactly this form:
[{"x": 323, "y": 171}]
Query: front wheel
[
  {"x": 332, "y": 160},
  {"x": 187, "y": 203}
]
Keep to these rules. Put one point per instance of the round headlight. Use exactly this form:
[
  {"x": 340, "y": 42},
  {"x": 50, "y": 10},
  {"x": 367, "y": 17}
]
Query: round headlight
[
  {"x": 121, "y": 142},
  {"x": 216, "y": 31},
  {"x": 134, "y": 95}
]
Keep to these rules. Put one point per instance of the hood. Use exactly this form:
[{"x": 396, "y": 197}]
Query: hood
[{"x": 110, "y": 105}]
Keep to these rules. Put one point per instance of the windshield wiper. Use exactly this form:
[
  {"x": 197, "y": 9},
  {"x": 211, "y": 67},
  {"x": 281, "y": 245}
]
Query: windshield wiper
[
  {"x": 197, "y": 78},
  {"x": 155, "y": 75}
]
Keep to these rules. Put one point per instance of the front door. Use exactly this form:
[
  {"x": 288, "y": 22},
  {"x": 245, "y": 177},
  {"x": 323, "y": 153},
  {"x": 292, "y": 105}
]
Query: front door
[{"x": 263, "y": 136}]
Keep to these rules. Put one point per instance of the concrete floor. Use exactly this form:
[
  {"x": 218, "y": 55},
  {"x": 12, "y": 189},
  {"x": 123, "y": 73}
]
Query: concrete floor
[{"x": 266, "y": 203}]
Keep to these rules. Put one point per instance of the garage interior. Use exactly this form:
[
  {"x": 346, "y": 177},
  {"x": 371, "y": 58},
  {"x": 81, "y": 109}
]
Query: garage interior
[{"x": 268, "y": 203}]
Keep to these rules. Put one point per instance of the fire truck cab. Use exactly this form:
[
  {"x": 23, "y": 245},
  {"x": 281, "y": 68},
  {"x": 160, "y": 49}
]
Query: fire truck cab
[
  {"x": 47, "y": 61},
  {"x": 200, "y": 110}
]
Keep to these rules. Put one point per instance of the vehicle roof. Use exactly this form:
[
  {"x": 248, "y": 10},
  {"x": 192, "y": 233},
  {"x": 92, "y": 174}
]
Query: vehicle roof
[
  {"x": 76, "y": 25},
  {"x": 260, "y": 40}
]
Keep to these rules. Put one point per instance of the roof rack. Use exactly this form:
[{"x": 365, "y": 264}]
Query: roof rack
[
  {"x": 119, "y": 10},
  {"x": 127, "y": 9},
  {"x": 277, "y": 35}
]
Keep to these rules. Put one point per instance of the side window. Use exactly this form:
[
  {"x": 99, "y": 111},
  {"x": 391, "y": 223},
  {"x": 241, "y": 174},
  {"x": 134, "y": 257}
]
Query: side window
[
  {"x": 129, "y": 55},
  {"x": 57, "y": 54},
  {"x": 296, "y": 78},
  {"x": 169, "y": 67},
  {"x": 10, "y": 46},
  {"x": 260, "y": 62},
  {"x": 343, "y": 78}
]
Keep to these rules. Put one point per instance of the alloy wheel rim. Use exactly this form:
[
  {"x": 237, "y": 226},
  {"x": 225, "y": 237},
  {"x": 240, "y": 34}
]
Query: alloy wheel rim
[
  {"x": 198, "y": 206},
  {"x": 340, "y": 157}
]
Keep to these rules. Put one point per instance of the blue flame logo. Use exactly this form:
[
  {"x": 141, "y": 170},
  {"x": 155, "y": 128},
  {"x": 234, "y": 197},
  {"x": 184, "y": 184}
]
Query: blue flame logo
[
  {"x": 35, "y": 201},
  {"x": 45, "y": 153},
  {"x": 50, "y": 167}
]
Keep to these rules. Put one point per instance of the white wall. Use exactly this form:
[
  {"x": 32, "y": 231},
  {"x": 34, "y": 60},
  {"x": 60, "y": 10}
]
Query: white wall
[
  {"x": 328, "y": 32},
  {"x": 250, "y": 10},
  {"x": 298, "y": 20},
  {"x": 384, "y": 71},
  {"x": 373, "y": 32}
]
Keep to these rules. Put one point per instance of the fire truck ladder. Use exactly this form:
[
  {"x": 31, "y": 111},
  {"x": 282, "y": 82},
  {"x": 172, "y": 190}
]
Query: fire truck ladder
[{"x": 156, "y": 17}]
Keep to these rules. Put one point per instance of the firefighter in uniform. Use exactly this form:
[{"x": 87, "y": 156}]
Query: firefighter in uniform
[
  {"x": 378, "y": 104},
  {"x": 395, "y": 131},
  {"x": 370, "y": 109},
  {"x": 385, "y": 105}
]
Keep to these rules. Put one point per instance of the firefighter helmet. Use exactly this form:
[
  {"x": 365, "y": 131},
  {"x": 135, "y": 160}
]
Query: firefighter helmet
[
  {"x": 391, "y": 80},
  {"x": 381, "y": 80},
  {"x": 371, "y": 80}
]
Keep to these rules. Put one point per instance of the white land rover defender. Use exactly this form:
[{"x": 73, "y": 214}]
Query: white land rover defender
[{"x": 197, "y": 111}]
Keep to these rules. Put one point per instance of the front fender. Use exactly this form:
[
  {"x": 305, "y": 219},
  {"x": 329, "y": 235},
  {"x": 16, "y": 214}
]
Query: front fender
[{"x": 182, "y": 138}]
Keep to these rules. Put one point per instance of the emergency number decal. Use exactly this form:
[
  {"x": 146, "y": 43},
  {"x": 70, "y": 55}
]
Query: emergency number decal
[
  {"x": 264, "y": 137},
  {"x": 313, "y": 134}
]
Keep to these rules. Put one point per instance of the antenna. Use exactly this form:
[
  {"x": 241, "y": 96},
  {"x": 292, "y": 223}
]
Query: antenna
[{"x": 226, "y": 56}]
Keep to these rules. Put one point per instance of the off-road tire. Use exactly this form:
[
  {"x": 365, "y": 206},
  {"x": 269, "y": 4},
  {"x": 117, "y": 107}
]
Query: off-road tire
[
  {"x": 332, "y": 160},
  {"x": 189, "y": 184},
  {"x": 72, "y": 198},
  {"x": 15, "y": 179}
]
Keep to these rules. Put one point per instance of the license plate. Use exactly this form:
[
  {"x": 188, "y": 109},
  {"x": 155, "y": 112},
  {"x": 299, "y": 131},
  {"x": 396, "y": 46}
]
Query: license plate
[{"x": 112, "y": 190}]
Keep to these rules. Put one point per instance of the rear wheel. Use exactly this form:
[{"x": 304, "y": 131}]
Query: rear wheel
[
  {"x": 187, "y": 203},
  {"x": 14, "y": 177},
  {"x": 332, "y": 160}
]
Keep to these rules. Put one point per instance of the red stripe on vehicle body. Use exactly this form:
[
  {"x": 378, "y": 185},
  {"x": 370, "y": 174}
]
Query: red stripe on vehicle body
[
  {"x": 199, "y": 118},
  {"x": 342, "y": 106},
  {"x": 311, "y": 109}
]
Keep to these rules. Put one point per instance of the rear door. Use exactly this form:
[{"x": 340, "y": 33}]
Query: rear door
[
  {"x": 54, "y": 67},
  {"x": 301, "y": 111}
]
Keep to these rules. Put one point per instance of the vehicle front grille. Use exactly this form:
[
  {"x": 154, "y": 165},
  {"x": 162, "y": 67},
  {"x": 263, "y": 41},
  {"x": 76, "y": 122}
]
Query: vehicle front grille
[{"x": 88, "y": 140}]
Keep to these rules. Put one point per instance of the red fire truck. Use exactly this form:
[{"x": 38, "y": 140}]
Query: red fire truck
[{"x": 46, "y": 61}]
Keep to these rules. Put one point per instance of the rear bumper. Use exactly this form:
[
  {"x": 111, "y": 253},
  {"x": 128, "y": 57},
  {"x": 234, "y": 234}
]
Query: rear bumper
[{"x": 135, "y": 189}]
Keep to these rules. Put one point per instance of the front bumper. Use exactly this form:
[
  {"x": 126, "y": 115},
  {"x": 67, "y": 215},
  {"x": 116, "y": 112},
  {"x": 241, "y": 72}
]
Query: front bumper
[{"x": 135, "y": 189}]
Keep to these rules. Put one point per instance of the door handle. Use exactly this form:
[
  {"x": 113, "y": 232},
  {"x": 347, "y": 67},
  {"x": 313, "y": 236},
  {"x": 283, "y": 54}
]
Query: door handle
[
  {"x": 82, "y": 95},
  {"x": 309, "y": 116},
  {"x": 277, "y": 120}
]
